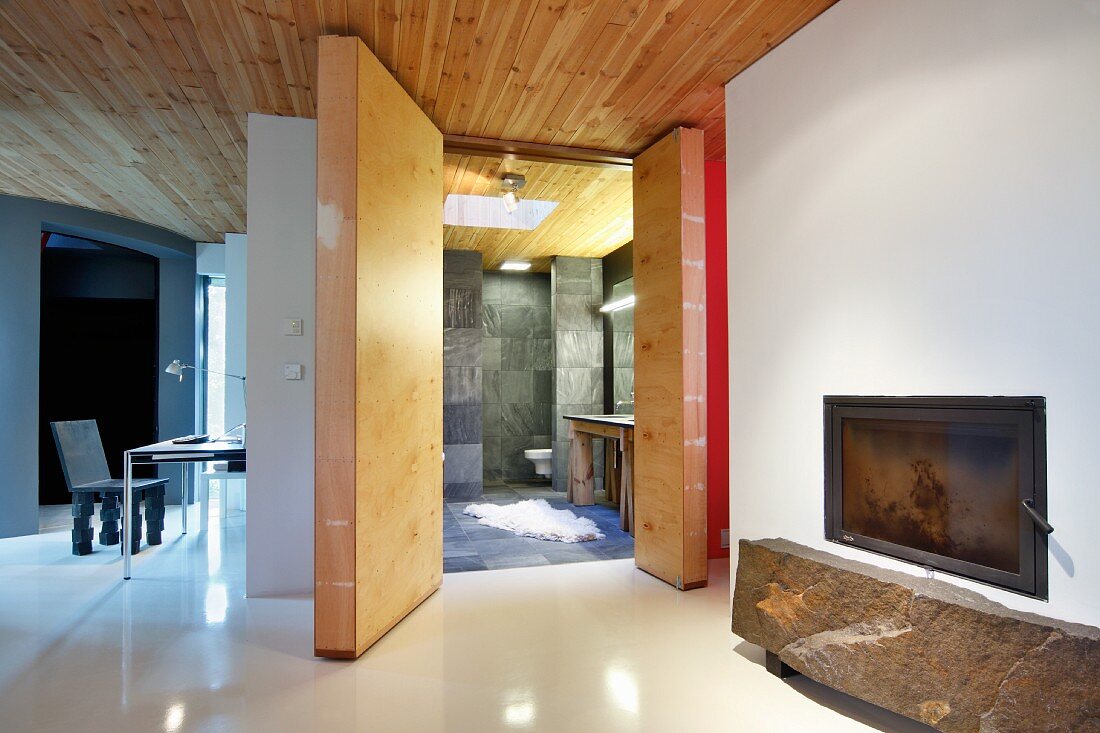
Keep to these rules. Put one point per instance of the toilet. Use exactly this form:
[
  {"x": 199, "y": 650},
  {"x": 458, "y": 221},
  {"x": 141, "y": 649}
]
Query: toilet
[{"x": 543, "y": 458}]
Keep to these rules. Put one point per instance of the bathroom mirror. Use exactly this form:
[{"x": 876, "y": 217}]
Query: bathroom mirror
[{"x": 622, "y": 354}]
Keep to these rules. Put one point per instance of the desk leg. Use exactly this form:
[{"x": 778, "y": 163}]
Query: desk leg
[
  {"x": 186, "y": 493},
  {"x": 612, "y": 467},
  {"x": 127, "y": 512},
  {"x": 626, "y": 488},
  {"x": 582, "y": 470}
]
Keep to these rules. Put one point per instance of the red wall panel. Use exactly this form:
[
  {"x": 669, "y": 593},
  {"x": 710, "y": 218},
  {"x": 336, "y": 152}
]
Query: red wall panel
[{"x": 718, "y": 462}]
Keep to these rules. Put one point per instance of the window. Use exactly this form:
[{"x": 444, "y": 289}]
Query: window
[{"x": 213, "y": 355}]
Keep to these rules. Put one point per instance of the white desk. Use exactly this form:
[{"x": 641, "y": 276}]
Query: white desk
[{"x": 168, "y": 452}]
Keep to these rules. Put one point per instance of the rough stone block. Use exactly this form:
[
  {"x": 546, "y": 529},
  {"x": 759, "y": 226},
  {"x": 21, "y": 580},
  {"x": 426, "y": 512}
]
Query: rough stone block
[{"x": 926, "y": 649}]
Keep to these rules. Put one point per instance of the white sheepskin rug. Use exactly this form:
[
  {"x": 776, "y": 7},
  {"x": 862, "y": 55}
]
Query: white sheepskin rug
[{"x": 536, "y": 518}]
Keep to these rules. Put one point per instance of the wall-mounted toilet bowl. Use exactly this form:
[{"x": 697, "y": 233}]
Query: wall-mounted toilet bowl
[{"x": 543, "y": 458}]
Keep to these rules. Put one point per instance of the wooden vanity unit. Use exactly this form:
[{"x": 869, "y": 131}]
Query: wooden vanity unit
[{"x": 617, "y": 431}]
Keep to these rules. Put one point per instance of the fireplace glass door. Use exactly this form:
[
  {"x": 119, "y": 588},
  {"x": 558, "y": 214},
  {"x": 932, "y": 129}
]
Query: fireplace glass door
[{"x": 937, "y": 484}]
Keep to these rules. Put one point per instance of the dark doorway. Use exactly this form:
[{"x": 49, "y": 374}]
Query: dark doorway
[{"x": 98, "y": 351}]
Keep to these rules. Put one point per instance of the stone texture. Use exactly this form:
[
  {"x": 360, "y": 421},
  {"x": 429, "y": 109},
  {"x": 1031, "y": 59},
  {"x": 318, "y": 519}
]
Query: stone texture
[
  {"x": 490, "y": 320},
  {"x": 517, "y": 386},
  {"x": 463, "y": 464},
  {"x": 578, "y": 349},
  {"x": 544, "y": 387},
  {"x": 462, "y": 346},
  {"x": 524, "y": 321},
  {"x": 517, "y": 347},
  {"x": 462, "y": 424},
  {"x": 490, "y": 387},
  {"x": 926, "y": 649},
  {"x": 490, "y": 421},
  {"x": 525, "y": 419},
  {"x": 526, "y": 354},
  {"x": 576, "y": 312},
  {"x": 461, "y": 385}
]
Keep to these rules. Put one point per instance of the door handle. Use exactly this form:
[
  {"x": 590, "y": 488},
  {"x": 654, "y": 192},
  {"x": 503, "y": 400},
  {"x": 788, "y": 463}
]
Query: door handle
[{"x": 1040, "y": 521}]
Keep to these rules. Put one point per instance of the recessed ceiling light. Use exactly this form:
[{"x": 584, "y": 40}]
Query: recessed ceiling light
[
  {"x": 465, "y": 210},
  {"x": 515, "y": 265}
]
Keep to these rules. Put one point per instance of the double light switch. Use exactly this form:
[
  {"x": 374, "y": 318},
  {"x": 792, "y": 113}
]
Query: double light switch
[{"x": 292, "y": 327}]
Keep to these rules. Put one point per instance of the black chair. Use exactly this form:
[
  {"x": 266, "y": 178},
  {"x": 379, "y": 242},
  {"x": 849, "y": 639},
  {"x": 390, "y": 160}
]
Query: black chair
[{"x": 86, "y": 474}]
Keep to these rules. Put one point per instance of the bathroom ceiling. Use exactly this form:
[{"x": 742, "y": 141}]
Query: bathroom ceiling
[
  {"x": 138, "y": 107},
  {"x": 594, "y": 215}
]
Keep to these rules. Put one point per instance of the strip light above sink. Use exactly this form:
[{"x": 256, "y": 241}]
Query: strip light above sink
[{"x": 618, "y": 305}]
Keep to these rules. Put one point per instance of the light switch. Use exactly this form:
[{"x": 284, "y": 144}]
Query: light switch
[
  {"x": 292, "y": 327},
  {"x": 292, "y": 371}
]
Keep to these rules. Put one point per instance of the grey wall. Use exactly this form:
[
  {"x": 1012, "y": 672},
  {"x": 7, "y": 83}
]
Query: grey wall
[
  {"x": 281, "y": 252},
  {"x": 21, "y": 223},
  {"x": 577, "y": 293},
  {"x": 462, "y": 375},
  {"x": 518, "y": 388}
]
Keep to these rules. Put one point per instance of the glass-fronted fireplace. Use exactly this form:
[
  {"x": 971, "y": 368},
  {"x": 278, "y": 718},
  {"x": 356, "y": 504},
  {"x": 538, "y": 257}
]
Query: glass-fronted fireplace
[{"x": 956, "y": 484}]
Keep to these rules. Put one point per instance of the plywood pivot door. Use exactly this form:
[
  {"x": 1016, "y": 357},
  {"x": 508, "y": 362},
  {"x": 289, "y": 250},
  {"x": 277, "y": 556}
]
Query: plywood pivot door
[
  {"x": 670, "y": 440},
  {"x": 379, "y": 474}
]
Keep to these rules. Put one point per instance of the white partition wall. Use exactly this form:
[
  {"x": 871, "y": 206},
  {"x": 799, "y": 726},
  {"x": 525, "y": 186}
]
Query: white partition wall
[
  {"x": 913, "y": 210},
  {"x": 282, "y": 233}
]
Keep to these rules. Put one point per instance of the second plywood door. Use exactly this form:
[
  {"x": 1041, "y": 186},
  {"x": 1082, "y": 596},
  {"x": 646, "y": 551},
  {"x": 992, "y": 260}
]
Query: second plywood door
[{"x": 670, "y": 450}]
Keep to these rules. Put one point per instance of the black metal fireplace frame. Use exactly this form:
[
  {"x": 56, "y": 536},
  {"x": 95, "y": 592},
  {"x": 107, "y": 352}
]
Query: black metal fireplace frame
[{"x": 1028, "y": 413}]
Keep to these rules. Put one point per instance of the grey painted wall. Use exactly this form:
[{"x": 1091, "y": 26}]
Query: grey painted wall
[
  {"x": 577, "y": 293},
  {"x": 462, "y": 375},
  {"x": 518, "y": 372},
  {"x": 21, "y": 223},
  {"x": 280, "y": 276}
]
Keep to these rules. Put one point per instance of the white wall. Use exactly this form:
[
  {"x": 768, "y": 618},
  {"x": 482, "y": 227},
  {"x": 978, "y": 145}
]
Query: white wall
[
  {"x": 282, "y": 233},
  {"x": 236, "y": 326},
  {"x": 210, "y": 258},
  {"x": 914, "y": 208}
]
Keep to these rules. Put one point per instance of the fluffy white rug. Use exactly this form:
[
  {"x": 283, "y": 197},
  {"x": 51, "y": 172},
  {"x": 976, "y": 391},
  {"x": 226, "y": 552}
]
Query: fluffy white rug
[{"x": 536, "y": 518}]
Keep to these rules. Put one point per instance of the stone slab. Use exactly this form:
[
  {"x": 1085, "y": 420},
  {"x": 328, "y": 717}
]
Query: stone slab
[{"x": 926, "y": 649}]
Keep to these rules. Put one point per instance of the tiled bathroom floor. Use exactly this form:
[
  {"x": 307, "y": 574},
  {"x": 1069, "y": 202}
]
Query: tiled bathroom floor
[{"x": 468, "y": 545}]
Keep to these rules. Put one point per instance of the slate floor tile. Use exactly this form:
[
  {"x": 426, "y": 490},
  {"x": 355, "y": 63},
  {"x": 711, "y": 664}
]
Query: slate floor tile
[
  {"x": 469, "y": 545},
  {"x": 463, "y": 564}
]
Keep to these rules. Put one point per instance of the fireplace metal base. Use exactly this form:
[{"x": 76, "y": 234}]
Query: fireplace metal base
[{"x": 778, "y": 667}]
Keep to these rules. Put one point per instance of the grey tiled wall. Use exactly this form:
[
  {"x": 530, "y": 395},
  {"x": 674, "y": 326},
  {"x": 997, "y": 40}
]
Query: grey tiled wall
[
  {"x": 462, "y": 374},
  {"x": 577, "y": 285},
  {"x": 517, "y": 367}
]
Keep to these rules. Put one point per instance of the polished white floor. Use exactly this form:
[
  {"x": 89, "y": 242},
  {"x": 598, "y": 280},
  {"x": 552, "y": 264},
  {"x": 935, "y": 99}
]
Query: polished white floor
[{"x": 590, "y": 646}]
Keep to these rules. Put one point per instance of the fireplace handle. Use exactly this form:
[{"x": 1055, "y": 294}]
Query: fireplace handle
[{"x": 1040, "y": 521}]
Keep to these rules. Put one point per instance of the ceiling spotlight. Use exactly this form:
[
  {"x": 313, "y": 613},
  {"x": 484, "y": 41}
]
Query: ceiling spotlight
[
  {"x": 515, "y": 265},
  {"x": 511, "y": 183}
]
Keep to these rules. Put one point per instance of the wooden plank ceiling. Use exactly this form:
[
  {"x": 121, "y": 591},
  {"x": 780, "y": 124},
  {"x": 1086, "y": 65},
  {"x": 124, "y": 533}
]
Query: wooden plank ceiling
[
  {"x": 594, "y": 215},
  {"x": 138, "y": 107}
]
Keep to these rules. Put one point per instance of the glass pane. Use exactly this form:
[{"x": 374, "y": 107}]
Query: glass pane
[
  {"x": 214, "y": 354},
  {"x": 948, "y": 488}
]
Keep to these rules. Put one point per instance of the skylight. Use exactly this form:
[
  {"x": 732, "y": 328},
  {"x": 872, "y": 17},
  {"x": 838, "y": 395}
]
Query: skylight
[{"x": 463, "y": 210}]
